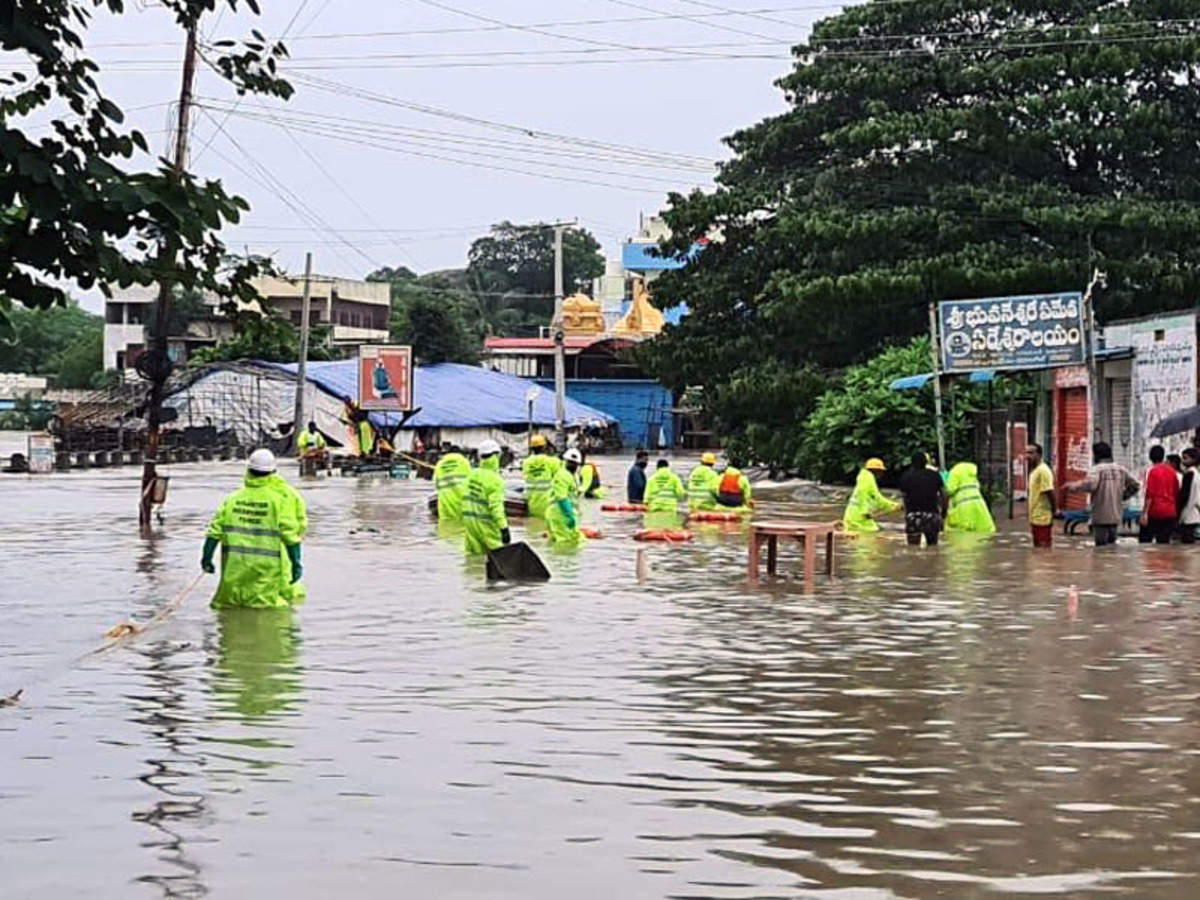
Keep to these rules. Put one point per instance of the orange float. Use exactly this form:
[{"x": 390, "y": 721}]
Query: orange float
[
  {"x": 591, "y": 533},
  {"x": 669, "y": 537},
  {"x": 714, "y": 516},
  {"x": 623, "y": 507}
]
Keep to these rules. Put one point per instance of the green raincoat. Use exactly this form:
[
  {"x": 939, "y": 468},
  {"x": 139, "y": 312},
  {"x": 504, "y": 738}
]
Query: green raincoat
[
  {"x": 299, "y": 507},
  {"x": 254, "y": 526},
  {"x": 564, "y": 491},
  {"x": 702, "y": 488},
  {"x": 968, "y": 510},
  {"x": 664, "y": 491},
  {"x": 539, "y": 469},
  {"x": 450, "y": 479},
  {"x": 483, "y": 507},
  {"x": 589, "y": 481},
  {"x": 865, "y": 503}
]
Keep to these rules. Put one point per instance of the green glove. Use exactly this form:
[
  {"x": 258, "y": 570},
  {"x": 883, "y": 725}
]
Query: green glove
[
  {"x": 206, "y": 558},
  {"x": 293, "y": 552},
  {"x": 568, "y": 511}
]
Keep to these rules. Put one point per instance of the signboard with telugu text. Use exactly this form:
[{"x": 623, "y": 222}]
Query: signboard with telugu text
[
  {"x": 385, "y": 378},
  {"x": 1036, "y": 331}
]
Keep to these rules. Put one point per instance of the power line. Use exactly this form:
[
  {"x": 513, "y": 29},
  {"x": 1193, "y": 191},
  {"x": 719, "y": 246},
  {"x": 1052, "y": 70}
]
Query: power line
[{"x": 717, "y": 25}]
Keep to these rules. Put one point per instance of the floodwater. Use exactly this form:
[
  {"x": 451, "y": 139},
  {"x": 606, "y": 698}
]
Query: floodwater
[{"x": 939, "y": 723}]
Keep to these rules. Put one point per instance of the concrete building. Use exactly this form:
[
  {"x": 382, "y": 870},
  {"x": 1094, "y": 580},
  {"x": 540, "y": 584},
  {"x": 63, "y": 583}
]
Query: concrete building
[{"x": 356, "y": 312}]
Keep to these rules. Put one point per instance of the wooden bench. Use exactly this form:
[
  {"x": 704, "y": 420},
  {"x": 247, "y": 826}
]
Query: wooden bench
[{"x": 807, "y": 534}]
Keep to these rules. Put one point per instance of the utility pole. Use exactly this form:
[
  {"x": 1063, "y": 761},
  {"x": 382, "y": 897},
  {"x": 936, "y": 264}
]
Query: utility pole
[
  {"x": 1095, "y": 388},
  {"x": 160, "y": 365},
  {"x": 937, "y": 386},
  {"x": 560, "y": 353},
  {"x": 305, "y": 304}
]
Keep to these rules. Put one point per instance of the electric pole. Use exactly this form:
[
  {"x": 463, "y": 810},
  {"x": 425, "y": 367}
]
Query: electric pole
[
  {"x": 305, "y": 306},
  {"x": 159, "y": 368},
  {"x": 560, "y": 353}
]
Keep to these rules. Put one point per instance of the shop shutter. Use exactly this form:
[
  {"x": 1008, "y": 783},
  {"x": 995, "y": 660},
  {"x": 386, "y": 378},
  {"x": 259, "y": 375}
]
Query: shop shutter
[
  {"x": 1073, "y": 449},
  {"x": 1120, "y": 415}
]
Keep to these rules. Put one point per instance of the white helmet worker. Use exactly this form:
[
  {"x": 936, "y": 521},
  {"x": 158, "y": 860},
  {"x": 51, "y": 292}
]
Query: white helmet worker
[
  {"x": 261, "y": 462},
  {"x": 488, "y": 448},
  {"x": 573, "y": 455}
]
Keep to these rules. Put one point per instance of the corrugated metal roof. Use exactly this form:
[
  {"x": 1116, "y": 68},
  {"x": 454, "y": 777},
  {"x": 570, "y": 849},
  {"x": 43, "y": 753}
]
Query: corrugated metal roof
[{"x": 451, "y": 395}]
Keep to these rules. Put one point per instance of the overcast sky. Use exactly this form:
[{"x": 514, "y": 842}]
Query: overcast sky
[{"x": 366, "y": 181}]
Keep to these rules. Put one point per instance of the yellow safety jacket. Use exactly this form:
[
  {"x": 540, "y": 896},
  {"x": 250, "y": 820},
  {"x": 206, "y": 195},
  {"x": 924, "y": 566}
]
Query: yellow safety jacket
[
  {"x": 664, "y": 490},
  {"x": 450, "y": 479},
  {"x": 589, "y": 481},
  {"x": 483, "y": 507},
  {"x": 968, "y": 510},
  {"x": 865, "y": 502},
  {"x": 538, "y": 470},
  {"x": 702, "y": 488},
  {"x": 254, "y": 526},
  {"x": 311, "y": 440},
  {"x": 564, "y": 527}
]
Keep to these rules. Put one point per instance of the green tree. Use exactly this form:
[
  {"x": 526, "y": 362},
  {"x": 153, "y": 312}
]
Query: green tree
[
  {"x": 79, "y": 364},
  {"x": 433, "y": 314},
  {"x": 861, "y": 416},
  {"x": 69, "y": 209},
  {"x": 36, "y": 339},
  {"x": 935, "y": 151},
  {"x": 270, "y": 338},
  {"x": 516, "y": 264}
]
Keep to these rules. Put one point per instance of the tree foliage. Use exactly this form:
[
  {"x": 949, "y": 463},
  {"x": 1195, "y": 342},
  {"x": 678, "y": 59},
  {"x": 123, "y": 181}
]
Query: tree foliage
[
  {"x": 71, "y": 207},
  {"x": 515, "y": 263},
  {"x": 433, "y": 315},
  {"x": 63, "y": 342},
  {"x": 945, "y": 150},
  {"x": 268, "y": 337}
]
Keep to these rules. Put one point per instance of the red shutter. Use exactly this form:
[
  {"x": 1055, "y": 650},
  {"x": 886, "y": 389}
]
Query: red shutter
[{"x": 1073, "y": 452}]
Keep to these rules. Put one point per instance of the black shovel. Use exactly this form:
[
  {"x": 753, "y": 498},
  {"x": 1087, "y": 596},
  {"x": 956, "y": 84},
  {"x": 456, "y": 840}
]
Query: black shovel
[{"x": 515, "y": 562}]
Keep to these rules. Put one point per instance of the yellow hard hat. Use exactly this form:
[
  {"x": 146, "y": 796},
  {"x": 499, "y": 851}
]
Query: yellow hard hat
[
  {"x": 709, "y": 459},
  {"x": 538, "y": 440},
  {"x": 875, "y": 464}
]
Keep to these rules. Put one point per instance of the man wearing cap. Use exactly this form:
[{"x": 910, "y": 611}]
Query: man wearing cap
[
  {"x": 539, "y": 468},
  {"x": 562, "y": 514},
  {"x": 259, "y": 536},
  {"x": 702, "y": 485},
  {"x": 484, "y": 520},
  {"x": 866, "y": 501}
]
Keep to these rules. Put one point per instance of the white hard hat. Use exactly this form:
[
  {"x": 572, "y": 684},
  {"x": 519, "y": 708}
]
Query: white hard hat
[
  {"x": 489, "y": 448},
  {"x": 573, "y": 455},
  {"x": 261, "y": 462}
]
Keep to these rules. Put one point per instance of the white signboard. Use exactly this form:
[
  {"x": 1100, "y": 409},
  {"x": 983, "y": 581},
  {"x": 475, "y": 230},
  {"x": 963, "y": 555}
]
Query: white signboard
[
  {"x": 1164, "y": 380},
  {"x": 41, "y": 454}
]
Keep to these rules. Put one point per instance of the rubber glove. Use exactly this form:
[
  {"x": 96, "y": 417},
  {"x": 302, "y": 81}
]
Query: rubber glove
[
  {"x": 206, "y": 558},
  {"x": 568, "y": 512},
  {"x": 506, "y": 535},
  {"x": 293, "y": 552}
]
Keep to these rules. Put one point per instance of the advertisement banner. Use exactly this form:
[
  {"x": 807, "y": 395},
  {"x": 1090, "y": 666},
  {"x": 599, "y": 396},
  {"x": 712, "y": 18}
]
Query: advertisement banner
[
  {"x": 41, "y": 454},
  {"x": 1164, "y": 380},
  {"x": 1037, "y": 331},
  {"x": 385, "y": 378}
]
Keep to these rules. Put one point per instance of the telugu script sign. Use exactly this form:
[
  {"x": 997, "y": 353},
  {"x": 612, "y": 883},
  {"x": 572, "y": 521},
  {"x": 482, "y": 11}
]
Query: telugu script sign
[{"x": 1038, "y": 331}]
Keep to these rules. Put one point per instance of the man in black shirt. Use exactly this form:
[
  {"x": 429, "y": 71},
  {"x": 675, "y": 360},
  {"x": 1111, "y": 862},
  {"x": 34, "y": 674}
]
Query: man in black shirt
[{"x": 924, "y": 502}]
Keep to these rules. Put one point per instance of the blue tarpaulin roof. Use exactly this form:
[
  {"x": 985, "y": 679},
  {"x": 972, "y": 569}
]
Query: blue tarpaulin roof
[
  {"x": 915, "y": 382},
  {"x": 451, "y": 395},
  {"x": 642, "y": 256}
]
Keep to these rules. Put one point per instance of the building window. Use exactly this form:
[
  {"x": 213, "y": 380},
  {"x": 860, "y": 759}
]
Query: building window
[
  {"x": 295, "y": 317},
  {"x": 112, "y": 313}
]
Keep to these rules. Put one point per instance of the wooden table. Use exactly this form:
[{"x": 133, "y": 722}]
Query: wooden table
[{"x": 806, "y": 533}]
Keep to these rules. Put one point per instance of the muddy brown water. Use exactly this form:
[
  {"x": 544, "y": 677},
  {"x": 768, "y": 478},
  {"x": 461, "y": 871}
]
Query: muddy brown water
[{"x": 931, "y": 724}]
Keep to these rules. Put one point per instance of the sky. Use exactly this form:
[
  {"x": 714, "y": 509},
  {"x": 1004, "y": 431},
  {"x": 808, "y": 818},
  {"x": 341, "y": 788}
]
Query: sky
[{"x": 416, "y": 124}]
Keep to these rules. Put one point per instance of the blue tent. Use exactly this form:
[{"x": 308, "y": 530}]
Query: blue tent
[
  {"x": 450, "y": 395},
  {"x": 916, "y": 382}
]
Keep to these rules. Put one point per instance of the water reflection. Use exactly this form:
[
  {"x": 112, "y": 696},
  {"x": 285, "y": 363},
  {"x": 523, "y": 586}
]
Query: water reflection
[{"x": 257, "y": 673}]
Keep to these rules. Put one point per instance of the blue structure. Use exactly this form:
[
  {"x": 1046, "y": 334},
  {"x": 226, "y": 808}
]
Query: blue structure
[
  {"x": 641, "y": 406},
  {"x": 451, "y": 395},
  {"x": 643, "y": 256}
]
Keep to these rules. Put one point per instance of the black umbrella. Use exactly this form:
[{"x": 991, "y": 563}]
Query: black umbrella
[{"x": 1183, "y": 420}]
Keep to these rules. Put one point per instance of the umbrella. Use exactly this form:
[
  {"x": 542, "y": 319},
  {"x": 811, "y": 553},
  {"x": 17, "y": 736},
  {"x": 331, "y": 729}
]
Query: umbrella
[{"x": 1182, "y": 420}]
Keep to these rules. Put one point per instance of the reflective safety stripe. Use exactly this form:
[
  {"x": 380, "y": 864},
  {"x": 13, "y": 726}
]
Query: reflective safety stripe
[
  {"x": 450, "y": 480},
  {"x": 965, "y": 493},
  {"x": 257, "y": 532},
  {"x": 252, "y": 551}
]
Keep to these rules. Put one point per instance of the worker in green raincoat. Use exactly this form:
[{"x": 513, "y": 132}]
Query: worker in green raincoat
[
  {"x": 702, "y": 485},
  {"x": 259, "y": 536},
  {"x": 867, "y": 501},
  {"x": 450, "y": 479},
  {"x": 538, "y": 469},
  {"x": 589, "y": 481},
  {"x": 562, "y": 515},
  {"x": 484, "y": 520},
  {"x": 968, "y": 510},
  {"x": 664, "y": 491}
]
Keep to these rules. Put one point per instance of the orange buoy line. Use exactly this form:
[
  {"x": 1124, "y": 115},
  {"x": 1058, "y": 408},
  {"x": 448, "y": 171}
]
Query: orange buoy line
[
  {"x": 623, "y": 507},
  {"x": 714, "y": 516},
  {"x": 670, "y": 537}
]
